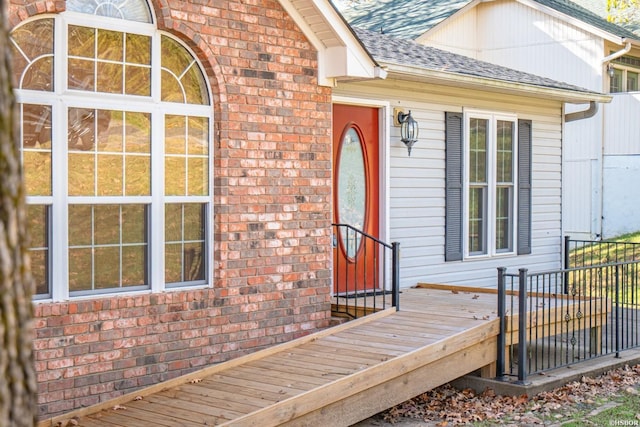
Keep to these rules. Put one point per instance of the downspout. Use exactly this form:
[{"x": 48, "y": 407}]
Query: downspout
[
  {"x": 605, "y": 62},
  {"x": 585, "y": 114},
  {"x": 618, "y": 54}
]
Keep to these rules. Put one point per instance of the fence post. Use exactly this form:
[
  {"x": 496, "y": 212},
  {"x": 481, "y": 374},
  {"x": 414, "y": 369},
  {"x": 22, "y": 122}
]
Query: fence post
[
  {"x": 395, "y": 273},
  {"x": 522, "y": 326},
  {"x": 617, "y": 310},
  {"x": 567, "y": 264},
  {"x": 502, "y": 339}
]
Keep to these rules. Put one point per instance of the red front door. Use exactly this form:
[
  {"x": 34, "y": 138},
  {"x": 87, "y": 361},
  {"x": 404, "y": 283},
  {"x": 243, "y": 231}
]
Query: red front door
[{"x": 356, "y": 196}]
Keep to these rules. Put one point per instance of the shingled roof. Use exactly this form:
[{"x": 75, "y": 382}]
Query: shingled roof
[
  {"x": 409, "y": 19},
  {"x": 390, "y": 50}
]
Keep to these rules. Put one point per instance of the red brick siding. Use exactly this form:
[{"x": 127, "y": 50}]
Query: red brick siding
[{"x": 272, "y": 219}]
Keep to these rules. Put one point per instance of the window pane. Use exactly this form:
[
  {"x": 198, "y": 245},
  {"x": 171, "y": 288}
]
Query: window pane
[
  {"x": 477, "y": 223},
  {"x": 198, "y": 135},
  {"x": 81, "y": 129},
  {"x": 134, "y": 224},
  {"x": 110, "y": 45},
  {"x": 504, "y": 223},
  {"x": 137, "y": 175},
  {"x": 38, "y": 75},
  {"x": 184, "y": 242},
  {"x": 107, "y": 267},
  {"x": 108, "y": 246},
  {"x": 615, "y": 82},
  {"x": 138, "y": 49},
  {"x": 132, "y": 10},
  {"x": 182, "y": 80},
  {"x": 81, "y": 74},
  {"x": 109, "y": 77},
  {"x": 478, "y": 150},
  {"x": 198, "y": 177},
  {"x": 32, "y": 54},
  {"x": 138, "y": 80},
  {"x": 80, "y": 269},
  {"x": 504, "y": 155},
  {"x": 82, "y": 219},
  {"x": 133, "y": 266},
  {"x": 106, "y": 224},
  {"x": 175, "y": 132},
  {"x": 110, "y": 175},
  {"x": 138, "y": 133},
  {"x": 175, "y": 177},
  {"x": 82, "y": 41},
  {"x": 110, "y": 131},
  {"x": 38, "y": 225},
  {"x": 36, "y": 148},
  {"x": 81, "y": 174},
  {"x": 632, "y": 81}
]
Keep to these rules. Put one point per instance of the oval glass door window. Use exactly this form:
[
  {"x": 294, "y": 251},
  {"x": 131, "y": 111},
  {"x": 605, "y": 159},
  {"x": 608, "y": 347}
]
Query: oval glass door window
[{"x": 352, "y": 190}]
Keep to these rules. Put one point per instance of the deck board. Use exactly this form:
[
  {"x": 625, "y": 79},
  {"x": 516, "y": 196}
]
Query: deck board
[{"x": 334, "y": 377}]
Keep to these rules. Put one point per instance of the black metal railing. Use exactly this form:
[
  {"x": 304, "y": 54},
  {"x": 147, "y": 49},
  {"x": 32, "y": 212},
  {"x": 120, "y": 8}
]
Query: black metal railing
[
  {"x": 581, "y": 253},
  {"x": 366, "y": 272},
  {"x": 562, "y": 317}
]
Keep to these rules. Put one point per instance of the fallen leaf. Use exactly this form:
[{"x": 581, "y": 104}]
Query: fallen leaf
[
  {"x": 453, "y": 291},
  {"x": 119, "y": 407},
  {"x": 138, "y": 398},
  {"x": 196, "y": 380},
  {"x": 476, "y": 296}
]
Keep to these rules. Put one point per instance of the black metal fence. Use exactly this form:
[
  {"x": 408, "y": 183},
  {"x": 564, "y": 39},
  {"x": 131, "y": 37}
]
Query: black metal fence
[
  {"x": 580, "y": 253},
  {"x": 366, "y": 272},
  {"x": 559, "y": 318}
]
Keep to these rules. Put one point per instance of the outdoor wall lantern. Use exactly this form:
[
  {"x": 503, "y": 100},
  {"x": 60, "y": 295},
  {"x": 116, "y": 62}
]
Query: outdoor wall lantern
[
  {"x": 408, "y": 129},
  {"x": 610, "y": 70}
]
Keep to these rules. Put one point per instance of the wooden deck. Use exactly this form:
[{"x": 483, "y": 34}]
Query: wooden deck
[{"x": 335, "y": 377}]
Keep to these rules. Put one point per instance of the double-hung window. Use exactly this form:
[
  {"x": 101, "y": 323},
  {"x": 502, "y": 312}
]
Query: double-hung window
[
  {"x": 490, "y": 145},
  {"x": 115, "y": 137},
  {"x": 488, "y": 185}
]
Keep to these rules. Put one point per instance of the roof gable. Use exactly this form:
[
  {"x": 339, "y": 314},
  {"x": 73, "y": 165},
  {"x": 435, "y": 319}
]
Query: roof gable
[
  {"x": 340, "y": 54},
  {"x": 410, "y": 19}
]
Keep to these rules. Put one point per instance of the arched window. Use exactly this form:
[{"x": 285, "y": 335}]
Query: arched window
[{"x": 115, "y": 130}]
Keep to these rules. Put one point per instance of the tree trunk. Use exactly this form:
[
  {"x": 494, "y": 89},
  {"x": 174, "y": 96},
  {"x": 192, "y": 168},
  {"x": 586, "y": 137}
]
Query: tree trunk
[{"x": 18, "y": 406}]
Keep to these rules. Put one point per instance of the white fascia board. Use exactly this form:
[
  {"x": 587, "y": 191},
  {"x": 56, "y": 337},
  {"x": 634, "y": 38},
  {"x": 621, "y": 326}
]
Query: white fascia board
[
  {"x": 408, "y": 73},
  {"x": 344, "y": 57}
]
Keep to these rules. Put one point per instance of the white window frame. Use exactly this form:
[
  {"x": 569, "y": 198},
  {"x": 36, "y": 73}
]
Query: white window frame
[
  {"x": 624, "y": 69},
  {"x": 492, "y": 119},
  {"x": 61, "y": 99}
]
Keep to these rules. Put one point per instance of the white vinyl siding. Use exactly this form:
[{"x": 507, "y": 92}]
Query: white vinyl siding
[{"x": 416, "y": 196}]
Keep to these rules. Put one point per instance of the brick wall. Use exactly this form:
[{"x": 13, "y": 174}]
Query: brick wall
[{"x": 272, "y": 220}]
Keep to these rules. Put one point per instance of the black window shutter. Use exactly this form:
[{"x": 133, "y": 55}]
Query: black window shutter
[
  {"x": 524, "y": 187},
  {"x": 453, "y": 187}
]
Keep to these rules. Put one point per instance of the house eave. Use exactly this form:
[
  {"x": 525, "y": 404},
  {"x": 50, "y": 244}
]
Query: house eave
[
  {"x": 340, "y": 53},
  {"x": 408, "y": 73}
]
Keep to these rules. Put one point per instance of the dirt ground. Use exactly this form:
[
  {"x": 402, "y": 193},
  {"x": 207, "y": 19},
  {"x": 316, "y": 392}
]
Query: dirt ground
[{"x": 447, "y": 406}]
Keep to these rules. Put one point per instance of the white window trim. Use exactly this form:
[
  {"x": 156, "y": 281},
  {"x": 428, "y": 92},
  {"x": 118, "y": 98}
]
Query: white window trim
[
  {"x": 624, "y": 69},
  {"x": 61, "y": 100},
  {"x": 492, "y": 184}
]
